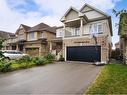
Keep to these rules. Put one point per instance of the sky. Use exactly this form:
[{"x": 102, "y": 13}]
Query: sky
[{"x": 32, "y": 12}]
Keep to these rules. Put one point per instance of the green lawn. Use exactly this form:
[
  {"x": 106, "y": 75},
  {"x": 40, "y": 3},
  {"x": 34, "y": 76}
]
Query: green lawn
[{"x": 112, "y": 80}]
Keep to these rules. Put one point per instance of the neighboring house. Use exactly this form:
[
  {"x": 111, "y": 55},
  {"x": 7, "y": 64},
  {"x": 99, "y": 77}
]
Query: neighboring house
[
  {"x": 122, "y": 32},
  {"x": 117, "y": 45},
  {"x": 4, "y": 36},
  {"x": 117, "y": 53},
  {"x": 32, "y": 40},
  {"x": 74, "y": 41}
]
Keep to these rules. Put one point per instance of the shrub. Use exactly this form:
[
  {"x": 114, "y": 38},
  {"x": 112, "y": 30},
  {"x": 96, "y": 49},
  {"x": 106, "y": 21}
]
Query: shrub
[
  {"x": 25, "y": 65},
  {"x": 25, "y": 59},
  {"x": 1, "y": 46},
  {"x": 15, "y": 66},
  {"x": 50, "y": 57},
  {"x": 5, "y": 66},
  {"x": 40, "y": 61}
]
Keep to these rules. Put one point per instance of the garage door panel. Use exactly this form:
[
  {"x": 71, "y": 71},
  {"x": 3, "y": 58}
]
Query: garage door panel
[
  {"x": 32, "y": 51},
  {"x": 84, "y": 53}
]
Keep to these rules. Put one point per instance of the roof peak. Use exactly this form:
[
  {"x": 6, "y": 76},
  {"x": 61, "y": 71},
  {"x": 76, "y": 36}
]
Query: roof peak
[{"x": 94, "y": 8}]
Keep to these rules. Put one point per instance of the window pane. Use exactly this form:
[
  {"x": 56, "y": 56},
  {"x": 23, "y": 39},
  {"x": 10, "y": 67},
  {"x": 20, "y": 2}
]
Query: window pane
[
  {"x": 59, "y": 33},
  {"x": 95, "y": 28},
  {"x": 41, "y": 35},
  {"x": 99, "y": 28},
  {"x": 76, "y": 31},
  {"x": 21, "y": 36},
  {"x": 31, "y": 35},
  {"x": 91, "y": 29}
]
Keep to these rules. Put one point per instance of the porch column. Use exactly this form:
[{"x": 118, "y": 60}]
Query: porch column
[
  {"x": 17, "y": 47},
  {"x": 64, "y": 30},
  {"x": 65, "y": 54},
  {"x": 81, "y": 27}
]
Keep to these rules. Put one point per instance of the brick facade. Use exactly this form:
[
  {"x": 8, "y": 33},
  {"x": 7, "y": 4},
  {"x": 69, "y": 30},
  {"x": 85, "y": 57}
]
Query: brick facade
[{"x": 101, "y": 41}]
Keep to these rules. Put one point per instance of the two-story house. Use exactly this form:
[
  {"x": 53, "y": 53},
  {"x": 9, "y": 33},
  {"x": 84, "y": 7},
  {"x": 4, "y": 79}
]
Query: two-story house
[
  {"x": 32, "y": 40},
  {"x": 85, "y": 35}
]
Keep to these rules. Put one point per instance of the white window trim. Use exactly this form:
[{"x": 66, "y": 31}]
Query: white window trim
[
  {"x": 42, "y": 35},
  {"x": 92, "y": 28},
  {"x": 59, "y": 33},
  {"x": 33, "y": 38},
  {"x": 76, "y": 31},
  {"x": 21, "y": 36}
]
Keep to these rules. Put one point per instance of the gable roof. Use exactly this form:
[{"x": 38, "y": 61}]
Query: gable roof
[
  {"x": 25, "y": 27},
  {"x": 101, "y": 12},
  {"x": 67, "y": 12},
  {"x": 5, "y": 35},
  {"x": 71, "y": 8},
  {"x": 50, "y": 29},
  {"x": 39, "y": 27},
  {"x": 42, "y": 27}
]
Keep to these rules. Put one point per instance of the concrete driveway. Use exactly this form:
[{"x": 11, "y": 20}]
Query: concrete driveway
[{"x": 54, "y": 79}]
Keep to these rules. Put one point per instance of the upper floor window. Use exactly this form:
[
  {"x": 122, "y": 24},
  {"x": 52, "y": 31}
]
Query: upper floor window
[
  {"x": 77, "y": 31},
  {"x": 96, "y": 28},
  {"x": 100, "y": 28},
  {"x": 42, "y": 35},
  {"x": 59, "y": 33},
  {"x": 31, "y": 35},
  {"x": 91, "y": 29},
  {"x": 21, "y": 36}
]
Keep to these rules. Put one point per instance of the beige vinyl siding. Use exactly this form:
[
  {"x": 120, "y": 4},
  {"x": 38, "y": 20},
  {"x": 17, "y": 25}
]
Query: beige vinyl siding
[
  {"x": 72, "y": 15},
  {"x": 93, "y": 15},
  {"x": 59, "y": 32},
  {"x": 86, "y": 9},
  {"x": 86, "y": 29}
]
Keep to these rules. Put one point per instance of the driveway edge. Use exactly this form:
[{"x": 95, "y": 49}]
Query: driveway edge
[{"x": 93, "y": 80}]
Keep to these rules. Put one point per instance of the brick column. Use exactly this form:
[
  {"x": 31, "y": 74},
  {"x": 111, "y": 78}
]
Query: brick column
[{"x": 50, "y": 46}]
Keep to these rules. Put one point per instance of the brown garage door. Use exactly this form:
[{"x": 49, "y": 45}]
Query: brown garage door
[{"x": 32, "y": 51}]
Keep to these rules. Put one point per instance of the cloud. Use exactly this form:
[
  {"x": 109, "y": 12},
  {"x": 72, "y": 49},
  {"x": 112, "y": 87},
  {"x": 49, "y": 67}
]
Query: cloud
[
  {"x": 13, "y": 3},
  {"x": 60, "y": 6},
  {"x": 48, "y": 11}
]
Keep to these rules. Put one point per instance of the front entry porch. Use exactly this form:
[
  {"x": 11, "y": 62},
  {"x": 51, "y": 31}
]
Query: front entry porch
[{"x": 56, "y": 47}]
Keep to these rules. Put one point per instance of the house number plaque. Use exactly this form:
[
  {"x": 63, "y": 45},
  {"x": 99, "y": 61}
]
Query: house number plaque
[{"x": 82, "y": 42}]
